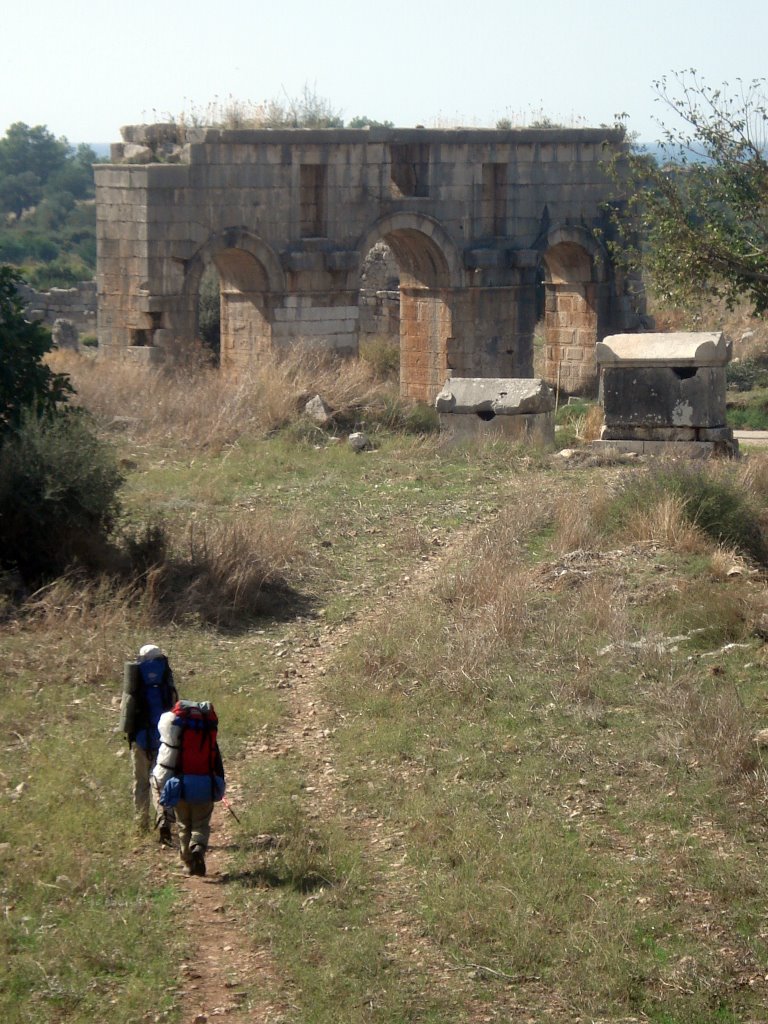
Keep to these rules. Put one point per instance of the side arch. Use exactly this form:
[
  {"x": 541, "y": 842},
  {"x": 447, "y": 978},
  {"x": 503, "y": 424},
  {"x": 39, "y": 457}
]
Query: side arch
[
  {"x": 235, "y": 239},
  {"x": 251, "y": 281}
]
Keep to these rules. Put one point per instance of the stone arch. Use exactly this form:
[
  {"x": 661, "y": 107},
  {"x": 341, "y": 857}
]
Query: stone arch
[
  {"x": 422, "y": 246},
  {"x": 430, "y": 270},
  {"x": 572, "y": 271},
  {"x": 250, "y": 279}
]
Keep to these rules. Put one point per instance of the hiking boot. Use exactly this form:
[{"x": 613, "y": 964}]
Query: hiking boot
[
  {"x": 197, "y": 861},
  {"x": 166, "y": 836}
]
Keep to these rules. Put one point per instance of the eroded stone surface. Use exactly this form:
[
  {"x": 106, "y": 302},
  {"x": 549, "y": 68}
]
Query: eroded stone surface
[
  {"x": 476, "y": 220},
  {"x": 694, "y": 348},
  {"x": 520, "y": 410},
  {"x": 501, "y": 396}
]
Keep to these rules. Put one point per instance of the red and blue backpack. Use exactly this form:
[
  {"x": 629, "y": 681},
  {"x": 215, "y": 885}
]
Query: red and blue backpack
[{"x": 199, "y": 768}]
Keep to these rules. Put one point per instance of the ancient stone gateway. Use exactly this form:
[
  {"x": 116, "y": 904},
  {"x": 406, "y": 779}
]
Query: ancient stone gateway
[{"x": 492, "y": 230}]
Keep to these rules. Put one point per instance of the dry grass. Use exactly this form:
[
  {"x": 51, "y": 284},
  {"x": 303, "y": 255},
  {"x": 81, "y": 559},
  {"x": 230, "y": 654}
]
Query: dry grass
[
  {"x": 200, "y": 407},
  {"x": 103, "y": 616},
  {"x": 664, "y": 523},
  {"x": 226, "y": 571}
]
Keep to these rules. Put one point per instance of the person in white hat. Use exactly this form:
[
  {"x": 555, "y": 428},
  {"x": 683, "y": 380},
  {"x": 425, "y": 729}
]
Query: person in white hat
[{"x": 157, "y": 694}]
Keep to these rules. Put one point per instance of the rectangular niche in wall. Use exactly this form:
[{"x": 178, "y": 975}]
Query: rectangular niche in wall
[
  {"x": 494, "y": 210},
  {"x": 410, "y": 168},
  {"x": 312, "y": 187}
]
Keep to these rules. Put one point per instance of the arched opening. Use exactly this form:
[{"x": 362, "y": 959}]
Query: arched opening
[
  {"x": 379, "y": 300},
  {"x": 209, "y": 311},
  {"x": 403, "y": 251},
  {"x": 570, "y": 317},
  {"x": 231, "y": 286},
  {"x": 246, "y": 331}
]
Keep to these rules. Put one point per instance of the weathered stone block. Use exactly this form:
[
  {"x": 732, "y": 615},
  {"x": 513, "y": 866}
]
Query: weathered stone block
[
  {"x": 674, "y": 349},
  {"x": 659, "y": 396},
  {"x": 495, "y": 396}
]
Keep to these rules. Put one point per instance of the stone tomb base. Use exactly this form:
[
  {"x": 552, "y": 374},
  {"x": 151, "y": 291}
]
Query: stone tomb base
[
  {"x": 673, "y": 449},
  {"x": 518, "y": 409}
]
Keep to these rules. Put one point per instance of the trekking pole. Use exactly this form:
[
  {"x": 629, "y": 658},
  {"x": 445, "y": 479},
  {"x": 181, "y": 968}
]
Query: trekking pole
[{"x": 228, "y": 805}]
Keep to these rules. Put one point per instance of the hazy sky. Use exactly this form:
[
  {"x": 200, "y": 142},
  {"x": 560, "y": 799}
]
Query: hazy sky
[{"x": 84, "y": 69}]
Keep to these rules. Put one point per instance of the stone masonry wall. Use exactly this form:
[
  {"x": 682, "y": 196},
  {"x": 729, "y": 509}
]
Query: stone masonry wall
[
  {"x": 76, "y": 304},
  {"x": 288, "y": 216}
]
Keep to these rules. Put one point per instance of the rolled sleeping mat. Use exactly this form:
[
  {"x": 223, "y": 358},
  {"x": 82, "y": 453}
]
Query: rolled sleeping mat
[
  {"x": 129, "y": 700},
  {"x": 170, "y": 732},
  {"x": 168, "y": 754}
]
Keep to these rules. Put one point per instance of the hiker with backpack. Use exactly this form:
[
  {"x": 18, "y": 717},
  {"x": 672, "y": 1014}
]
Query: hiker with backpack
[
  {"x": 148, "y": 692},
  {"x": 189, "y": 776}
]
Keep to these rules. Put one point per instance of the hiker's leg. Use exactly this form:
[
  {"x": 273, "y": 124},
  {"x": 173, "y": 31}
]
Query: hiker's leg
[
  {"x": 163, "y": 818},
  {"x": 141, "y": 768},
  {"x": 201, "y": 824},
  {"x": 184, "y": 823}
]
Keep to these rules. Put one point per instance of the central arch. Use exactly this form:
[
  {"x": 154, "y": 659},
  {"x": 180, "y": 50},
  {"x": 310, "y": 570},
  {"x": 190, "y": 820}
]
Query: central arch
[
  {"x": 429, "y": 271},
  {"x": 250, "y": 280}
]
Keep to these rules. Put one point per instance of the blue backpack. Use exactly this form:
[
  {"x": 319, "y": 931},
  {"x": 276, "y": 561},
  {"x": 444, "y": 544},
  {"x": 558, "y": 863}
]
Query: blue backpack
[{"x": 157, "y": 695}]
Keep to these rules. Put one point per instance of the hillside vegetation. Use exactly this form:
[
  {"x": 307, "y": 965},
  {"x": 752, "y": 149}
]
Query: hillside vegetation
[
  {"x": 47, "y": 207},
  {"x": 491, "y": 746}
]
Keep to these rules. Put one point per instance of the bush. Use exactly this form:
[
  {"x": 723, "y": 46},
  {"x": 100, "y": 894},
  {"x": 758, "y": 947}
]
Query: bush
[
  {"x": 746, "y": 375},
  {"x": 383, "y": 357},
  {"x": 707, "y": 498},
  {"x": 58, "y": 497},
  {"x": 221, "y": 573},
  {"x": 62, "y": 272},
  {"x": 26, "y": 382}
]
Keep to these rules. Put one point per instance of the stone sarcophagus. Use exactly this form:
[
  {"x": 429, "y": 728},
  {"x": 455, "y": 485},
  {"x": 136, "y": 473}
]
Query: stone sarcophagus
[
  {"x": 519, "y": 409},
  {"x": 665, "y": 392}
]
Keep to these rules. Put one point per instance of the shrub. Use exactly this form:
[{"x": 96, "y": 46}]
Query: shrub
[
  {"x": 58, "y": 496},
  {"x": 382, "y": 355},
  {"x": 218, "y": 572},
  {"x": 25, "y": 380},
  {"x": 748, "y": 374},
  {"x": 706, "y": 497},
  {"x": 62, "y": 272}
]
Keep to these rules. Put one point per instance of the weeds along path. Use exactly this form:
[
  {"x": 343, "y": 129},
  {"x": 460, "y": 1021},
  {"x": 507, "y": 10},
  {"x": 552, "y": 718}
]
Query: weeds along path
[
  {"x": 232, "y": 970},
  {"x": 307, "y": 653},
  {"x": 226, "y": 974},
  {"x": 308, "y": 732}
]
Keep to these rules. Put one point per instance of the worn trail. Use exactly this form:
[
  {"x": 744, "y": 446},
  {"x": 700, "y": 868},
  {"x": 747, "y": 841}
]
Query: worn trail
[{"x": 225, "y": 975}]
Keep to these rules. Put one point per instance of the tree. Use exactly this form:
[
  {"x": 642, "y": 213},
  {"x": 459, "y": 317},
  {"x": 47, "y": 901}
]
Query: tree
[
  {"x": 32, "y": 149},
  {"x": 702, "y": 212},
  {"x": 26, "y": 383}
]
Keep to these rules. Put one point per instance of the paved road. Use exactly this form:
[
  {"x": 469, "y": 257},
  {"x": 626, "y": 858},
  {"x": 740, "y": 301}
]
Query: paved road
[{"x": 752, "y": 437}]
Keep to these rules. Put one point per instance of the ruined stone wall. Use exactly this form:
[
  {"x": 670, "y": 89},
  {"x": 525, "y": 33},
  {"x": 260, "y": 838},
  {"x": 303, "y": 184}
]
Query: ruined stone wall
[
  {"x": 380, "y": 294},
  {"x": 77, "y": 304},
  {"x": 288, "y": 216}
]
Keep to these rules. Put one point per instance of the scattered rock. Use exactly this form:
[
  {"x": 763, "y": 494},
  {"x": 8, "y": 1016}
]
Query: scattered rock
[
  {"x": 359, "y": 441},
  {"x": 318, "y": 411}
]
